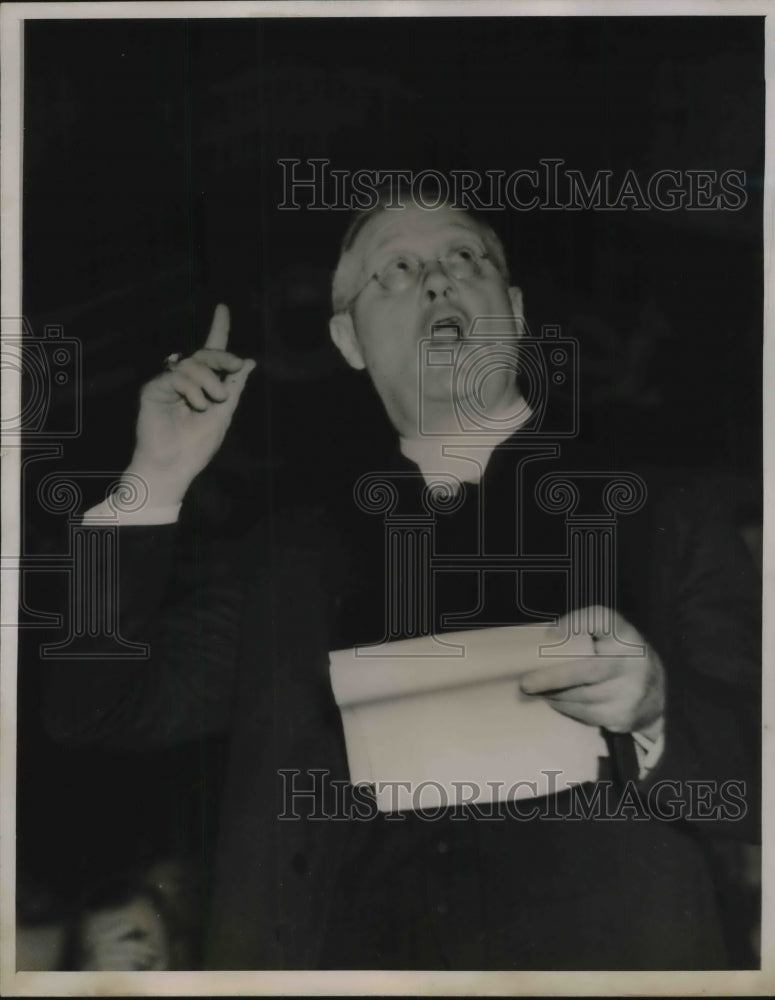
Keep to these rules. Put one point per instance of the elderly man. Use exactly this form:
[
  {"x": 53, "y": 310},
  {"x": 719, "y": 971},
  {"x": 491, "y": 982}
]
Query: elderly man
[{"x": 423, "y": 303}]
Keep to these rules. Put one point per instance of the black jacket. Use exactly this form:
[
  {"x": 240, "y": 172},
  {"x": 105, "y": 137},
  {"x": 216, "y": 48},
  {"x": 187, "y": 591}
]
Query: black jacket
[{"x": 239, "y": 643}]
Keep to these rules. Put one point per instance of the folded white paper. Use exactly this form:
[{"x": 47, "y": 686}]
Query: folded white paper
[{"x": 428, "y": 730}]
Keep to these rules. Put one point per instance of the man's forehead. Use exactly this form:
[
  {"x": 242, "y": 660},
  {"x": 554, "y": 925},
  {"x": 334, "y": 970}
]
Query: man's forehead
[{"x": 411, "y": 224}]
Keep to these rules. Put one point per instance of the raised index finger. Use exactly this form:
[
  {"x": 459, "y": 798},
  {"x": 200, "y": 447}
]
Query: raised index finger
[{"x": 218, "y": 337}]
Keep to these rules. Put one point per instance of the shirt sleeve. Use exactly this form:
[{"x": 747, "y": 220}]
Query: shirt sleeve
[
  {"x": 107, "y": 512},
  {"x": 647, "y": 751}
]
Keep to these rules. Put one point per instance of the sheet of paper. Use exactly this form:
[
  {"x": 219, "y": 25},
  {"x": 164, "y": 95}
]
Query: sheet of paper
[{"x": 428, "y": 729}]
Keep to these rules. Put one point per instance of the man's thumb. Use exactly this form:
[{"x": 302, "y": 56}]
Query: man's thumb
[
  {"x": 247, "y": 367},
  {"x": 237, "y": 382}
]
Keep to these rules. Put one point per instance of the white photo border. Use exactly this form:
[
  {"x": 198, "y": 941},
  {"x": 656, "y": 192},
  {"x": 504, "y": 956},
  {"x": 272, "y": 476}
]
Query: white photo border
[{"x": 12, "y": 983}]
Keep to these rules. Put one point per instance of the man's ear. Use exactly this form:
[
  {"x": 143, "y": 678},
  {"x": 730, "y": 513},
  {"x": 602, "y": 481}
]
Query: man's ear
[
  {"x": 343, "y": 335},
  {"x": 517, "y": 306}
]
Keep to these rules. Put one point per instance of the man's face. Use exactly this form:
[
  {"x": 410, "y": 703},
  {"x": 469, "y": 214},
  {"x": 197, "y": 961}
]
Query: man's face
[
  {"x": 385, "y": 327},
  {"x": 128, "y": 937}
]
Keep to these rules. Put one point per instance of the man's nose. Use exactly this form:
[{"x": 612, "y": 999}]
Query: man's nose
[{"x": 436, "y": 282}]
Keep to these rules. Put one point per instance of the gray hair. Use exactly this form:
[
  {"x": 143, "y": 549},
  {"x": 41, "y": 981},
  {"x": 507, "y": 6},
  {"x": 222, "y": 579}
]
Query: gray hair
[{"x": 343, "y": 278}]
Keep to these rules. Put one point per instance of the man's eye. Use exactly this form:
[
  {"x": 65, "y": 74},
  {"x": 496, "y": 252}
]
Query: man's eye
[
  {"x": 463, "y": 253},
  {"x": 397, "y": 268}
]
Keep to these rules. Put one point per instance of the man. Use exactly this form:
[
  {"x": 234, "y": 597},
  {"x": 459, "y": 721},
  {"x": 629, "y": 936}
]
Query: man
[{"x": 243, "y": 648}]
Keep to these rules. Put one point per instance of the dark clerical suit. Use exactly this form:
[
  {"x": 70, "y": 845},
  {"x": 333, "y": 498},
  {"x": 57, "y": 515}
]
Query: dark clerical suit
[{"x": 241, "y": 646}]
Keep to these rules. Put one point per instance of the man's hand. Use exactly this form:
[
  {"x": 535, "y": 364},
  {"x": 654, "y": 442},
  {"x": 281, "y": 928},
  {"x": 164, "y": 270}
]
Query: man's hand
[
  {"x": 185, "y": 413},
  {"x": 620, "y": 693}
]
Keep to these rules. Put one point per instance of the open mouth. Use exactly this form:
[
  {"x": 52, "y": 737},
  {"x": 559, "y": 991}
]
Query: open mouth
[{"x": 447, "y": 328}]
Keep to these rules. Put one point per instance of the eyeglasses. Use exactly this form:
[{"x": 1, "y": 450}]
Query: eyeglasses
[{"x": 403, "y": 271}]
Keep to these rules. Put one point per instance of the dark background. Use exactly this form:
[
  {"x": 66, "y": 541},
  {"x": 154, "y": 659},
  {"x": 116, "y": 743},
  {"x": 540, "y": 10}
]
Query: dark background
[{"x": 150, "y": 191}]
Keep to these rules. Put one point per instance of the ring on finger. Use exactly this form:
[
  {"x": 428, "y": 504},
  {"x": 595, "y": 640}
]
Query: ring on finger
[{"x": 172, "y": 361}]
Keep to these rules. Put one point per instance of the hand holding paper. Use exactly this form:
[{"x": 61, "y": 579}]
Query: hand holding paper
[
  {"x": 429, "y": 729},
  {"x": 621, "y": 693}
]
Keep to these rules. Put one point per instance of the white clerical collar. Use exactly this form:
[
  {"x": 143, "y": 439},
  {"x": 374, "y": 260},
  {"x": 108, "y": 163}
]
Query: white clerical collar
[{"x": 464, "y": 456}]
